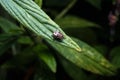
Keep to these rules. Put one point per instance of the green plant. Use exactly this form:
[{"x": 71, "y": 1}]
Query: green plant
[{"x": 27, "y": 36}]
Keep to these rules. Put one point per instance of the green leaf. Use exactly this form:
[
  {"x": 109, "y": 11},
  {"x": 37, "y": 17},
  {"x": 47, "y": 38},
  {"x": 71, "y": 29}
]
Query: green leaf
[
  {"x": 31, "y": 16},
  {"x": 43, "y": 76},
  {"x": 95, "y": 3},
  {"x": 49, "y": 60},
  {"x": 88, "y": 58},
  {"x": 72, "y": 70},
  {"x": 45, "y": 55},
  {"x": 43, "y": 73},
  {"x": 6, "y": 41},
  {"x": 39, "y": 2},
  {"x": 56, "y": 3},
  {"x": 21, "y": 60},
  {"x": 102, "y": 49},
  {"x": 5, "y": 37},
  {"x": 84, "y": 34},
  {"x": 115, "y": 56},
  {"x": 25, "y": 40},
  {"x": 3, "y": 73},
  {"x": 7, "y": 26},
  {"x": 71, "y": 21}
]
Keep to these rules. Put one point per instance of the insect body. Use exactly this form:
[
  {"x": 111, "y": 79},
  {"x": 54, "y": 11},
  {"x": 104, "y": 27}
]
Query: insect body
[{"x": 57, "y": 35}]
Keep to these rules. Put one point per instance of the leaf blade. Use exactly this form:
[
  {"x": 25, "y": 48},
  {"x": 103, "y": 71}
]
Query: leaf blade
[
  {"x": 95, "y": 3},
  {"x": 45, "y": 55},
  {"x": 71, "y": 21},
  {"x": 88, "y": 58},
  {"x": 31, "y": 16}
]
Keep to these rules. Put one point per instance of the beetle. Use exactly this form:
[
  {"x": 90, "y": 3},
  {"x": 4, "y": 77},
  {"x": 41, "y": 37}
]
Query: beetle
[{"x": 57, "y": 35}]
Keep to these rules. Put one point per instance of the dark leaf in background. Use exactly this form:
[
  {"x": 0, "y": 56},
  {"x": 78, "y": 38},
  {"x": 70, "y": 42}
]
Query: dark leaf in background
[
  {"x": 42, "y": 72},
  {"x": 115, "y": 56},
  {"x": 73, "y": 71},
  {"x": 9, "y": 27},
  {"x": 95, "y": 3},
  {"x": 71, "y": 21},
  {"x": 57, "y": 3},
  {"x": 2, "y": 73},
  {"x": 45, "y": 55},
  {"x": 24, "y": 40},
  {"x": 6, "y": 41},
  {"x": 84, "y": 34},
  {"x": 21, "y": 60}
]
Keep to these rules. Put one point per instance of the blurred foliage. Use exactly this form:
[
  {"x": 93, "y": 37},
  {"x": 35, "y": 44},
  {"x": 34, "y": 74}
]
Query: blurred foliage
[
  {"x": 115, "y": 56},
  {"x": 73, "y": 22},
  {"x": 28, "y": 51},
  {"x": 96, "y": 3}
]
